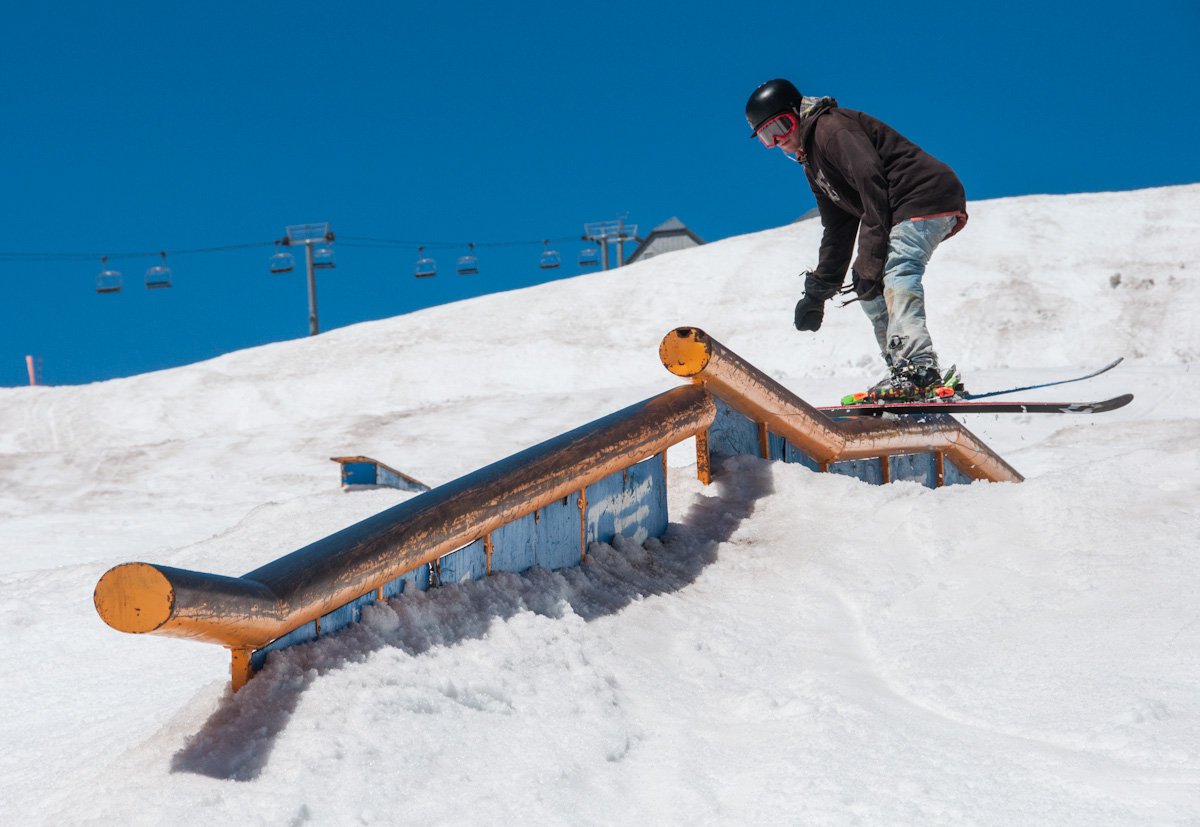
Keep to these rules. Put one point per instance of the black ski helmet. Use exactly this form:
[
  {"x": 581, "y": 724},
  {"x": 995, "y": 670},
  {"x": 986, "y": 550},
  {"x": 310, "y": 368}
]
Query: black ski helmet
[{"x": 769, "y": 100}]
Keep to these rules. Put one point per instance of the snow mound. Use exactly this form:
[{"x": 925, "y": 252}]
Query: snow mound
[{"x": 798, "y": 648}]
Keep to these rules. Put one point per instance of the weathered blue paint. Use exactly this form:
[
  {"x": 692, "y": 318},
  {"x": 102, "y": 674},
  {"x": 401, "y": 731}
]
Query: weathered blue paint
[
  {"x": 306, "y": 633},
  {"x": 343, "y": 616},
  {"x": 868, "y": 470},
  {"x": 368, "y": 472},
  {"x": 951, "y": 475},
  {"x": 395, "y": 587},
  {"x": 558, "y": 534},
  {"x": 732, "y": 434},
  {"x": 920, "y": 468},
  {"x": 359, "y": 473},
  {"x": 551, "y": 539},
  {"x": 794, "y": 454},
  {"x": 467, "y": 563},
  {"x": 514, "y": 544},
  {"x": 390, "y": 478},
  {"x": 776, "y": 448},
  {"x": 632, "y": 503},
  {"x": 417, "y": 579}
]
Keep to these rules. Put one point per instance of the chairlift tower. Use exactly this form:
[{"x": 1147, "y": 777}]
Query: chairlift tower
[
  {"x": 312, "y": 235},
  {"x": 604, "y": 233}
]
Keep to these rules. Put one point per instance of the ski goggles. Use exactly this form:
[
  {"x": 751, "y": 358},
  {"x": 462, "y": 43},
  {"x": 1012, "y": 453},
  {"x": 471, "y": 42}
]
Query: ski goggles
[{"x": 776, "y": 129}]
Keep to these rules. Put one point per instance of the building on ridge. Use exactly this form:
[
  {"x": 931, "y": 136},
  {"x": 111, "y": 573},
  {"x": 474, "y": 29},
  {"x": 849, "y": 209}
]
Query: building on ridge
[{"x": 667, "y": 237}]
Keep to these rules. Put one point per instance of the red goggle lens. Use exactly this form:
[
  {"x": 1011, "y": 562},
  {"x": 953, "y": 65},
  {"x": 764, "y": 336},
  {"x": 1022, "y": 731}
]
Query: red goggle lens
[{"x": 776, "y": 129}]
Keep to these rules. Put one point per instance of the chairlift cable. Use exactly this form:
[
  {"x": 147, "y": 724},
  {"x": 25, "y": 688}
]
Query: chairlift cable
[
  {"x": 16, "y": 256},
  {"x": 366, "y": 242}
]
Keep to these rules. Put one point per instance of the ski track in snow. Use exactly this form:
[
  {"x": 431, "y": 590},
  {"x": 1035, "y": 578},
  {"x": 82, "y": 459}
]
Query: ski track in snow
[{"x": 799, "y": 648}]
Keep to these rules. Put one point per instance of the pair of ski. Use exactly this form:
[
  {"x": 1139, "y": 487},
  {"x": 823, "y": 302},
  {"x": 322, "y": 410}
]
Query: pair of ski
[{"x": 970, "y": 402}]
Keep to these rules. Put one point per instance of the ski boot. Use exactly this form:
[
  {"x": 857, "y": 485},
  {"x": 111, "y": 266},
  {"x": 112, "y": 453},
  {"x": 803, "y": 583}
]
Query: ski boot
[{"x": 911, "y": 383}]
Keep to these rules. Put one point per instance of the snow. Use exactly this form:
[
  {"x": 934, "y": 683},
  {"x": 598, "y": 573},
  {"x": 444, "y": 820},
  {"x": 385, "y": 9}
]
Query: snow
[{"x": 800, "y": 648}]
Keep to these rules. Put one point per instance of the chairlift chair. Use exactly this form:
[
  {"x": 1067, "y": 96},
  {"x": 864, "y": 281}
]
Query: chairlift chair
[
  {"x": 425, "y": 267},
  {"x": 468, "y": 265},
  {"x": 109, "y": 280},
  {"x": 550, "y": 258},
  {"x": 159, "y": 275},
  {"x": 323, "y": 257},
  {"x": 282, "y": 261},
  {"x": 589, "y": 257}
]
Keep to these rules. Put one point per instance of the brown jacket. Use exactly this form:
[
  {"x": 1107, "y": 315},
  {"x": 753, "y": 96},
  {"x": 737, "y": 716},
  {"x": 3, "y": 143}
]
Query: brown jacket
[{"x": 863, "y": 172}]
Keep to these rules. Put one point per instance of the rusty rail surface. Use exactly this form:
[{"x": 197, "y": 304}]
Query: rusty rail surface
[
  {"x": 248, "y": 612},
  {"x": 691, "y": 353}
]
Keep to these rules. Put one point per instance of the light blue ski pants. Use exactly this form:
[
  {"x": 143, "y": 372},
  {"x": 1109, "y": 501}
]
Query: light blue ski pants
[{"x": 898, "y": 316}]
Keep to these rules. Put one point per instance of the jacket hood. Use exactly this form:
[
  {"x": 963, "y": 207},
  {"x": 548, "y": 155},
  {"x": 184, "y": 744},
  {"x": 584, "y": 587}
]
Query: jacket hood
[{"x": 812, "y": 109}]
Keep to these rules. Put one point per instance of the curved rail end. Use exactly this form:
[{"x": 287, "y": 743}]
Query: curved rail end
[{"x": 685, "y": 351}]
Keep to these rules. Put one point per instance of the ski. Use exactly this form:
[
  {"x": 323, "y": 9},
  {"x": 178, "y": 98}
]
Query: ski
[
  {"x": 969, "y": 405},
  {"x": 1104, "y": 369}
]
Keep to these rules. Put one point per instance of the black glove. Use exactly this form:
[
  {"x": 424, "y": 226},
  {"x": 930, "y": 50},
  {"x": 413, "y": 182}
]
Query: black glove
[
  {"x": 865, "y": 289},
  {"x": 809, "y": 313}
]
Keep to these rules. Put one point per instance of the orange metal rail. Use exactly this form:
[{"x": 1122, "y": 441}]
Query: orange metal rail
[
  {"x": 248, "y": 612},
  {"x": 690, "y": 352}
]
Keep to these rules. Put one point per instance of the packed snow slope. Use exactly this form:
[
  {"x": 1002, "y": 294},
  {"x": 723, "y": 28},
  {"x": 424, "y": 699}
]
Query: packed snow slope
[{"x": 800, "y": 648}]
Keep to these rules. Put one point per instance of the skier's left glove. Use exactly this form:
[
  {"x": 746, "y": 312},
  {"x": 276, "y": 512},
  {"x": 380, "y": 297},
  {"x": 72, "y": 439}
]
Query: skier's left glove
[{"x": 809, "y": 313}]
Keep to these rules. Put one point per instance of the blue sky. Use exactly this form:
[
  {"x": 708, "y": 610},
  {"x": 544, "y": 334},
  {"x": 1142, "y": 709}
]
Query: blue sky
[{"x": 137, "y": 127}]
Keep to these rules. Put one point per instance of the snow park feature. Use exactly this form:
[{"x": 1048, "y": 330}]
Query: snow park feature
[
  {"x": 359, "y": 472},
  {"x": 797, "y": 647},
  {"x": 455, "y": 532}
]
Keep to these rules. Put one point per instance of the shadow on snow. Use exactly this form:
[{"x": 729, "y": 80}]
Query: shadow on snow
[{"x": 236, "y": 741}]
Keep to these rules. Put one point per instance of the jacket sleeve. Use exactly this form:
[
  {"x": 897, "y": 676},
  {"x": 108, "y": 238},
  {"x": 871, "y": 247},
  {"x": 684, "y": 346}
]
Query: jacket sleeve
[
  {"x": 837, "y": 245},
  {"x": 854, "y": 154}
]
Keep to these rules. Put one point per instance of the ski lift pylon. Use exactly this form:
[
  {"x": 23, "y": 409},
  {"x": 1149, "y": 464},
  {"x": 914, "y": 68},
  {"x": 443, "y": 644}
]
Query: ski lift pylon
[
  {"x": 550, "y": 258},
  {"x": 109, "y": 280},
  {"x": 468, "y": 265},
  {"x": 425, "y": 267},
  {"x": 159, "y": 275}
]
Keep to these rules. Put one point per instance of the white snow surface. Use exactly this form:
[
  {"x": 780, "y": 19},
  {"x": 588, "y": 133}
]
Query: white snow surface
[{"x": 799, "y": 648}]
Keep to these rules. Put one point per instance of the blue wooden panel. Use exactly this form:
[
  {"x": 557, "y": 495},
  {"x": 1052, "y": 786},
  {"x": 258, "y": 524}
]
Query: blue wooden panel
[
  {"x": 776, "y": 447},
  {"x": 793, "y": 454},
  {"x": 468, "y": 563},
  {"x": 358, "y": 473},
  {"x": 550, "y": 539},
  {"x": 868, "y": 470},
  {"x": 514, "y": 546},
  {"x": 604, "y": 499},
  {"x": 417, "y": 579},
  {"x": 343, "y": 616},
  {"x": 388, "y": 477},
  {"x": 951, "y": 475},
  {"x": 920, "y": 468},
  {"x": 632, "y": 503},
  {"x": 304, "y": 634},
  {"x": 731, "y": 433},
  {"x": 559, "y": 538},
  {"x": 393, "y": 588}
]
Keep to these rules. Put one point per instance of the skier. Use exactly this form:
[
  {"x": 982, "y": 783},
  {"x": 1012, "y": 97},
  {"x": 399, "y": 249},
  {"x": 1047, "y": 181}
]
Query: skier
[{"x": 868, "y": 180}]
